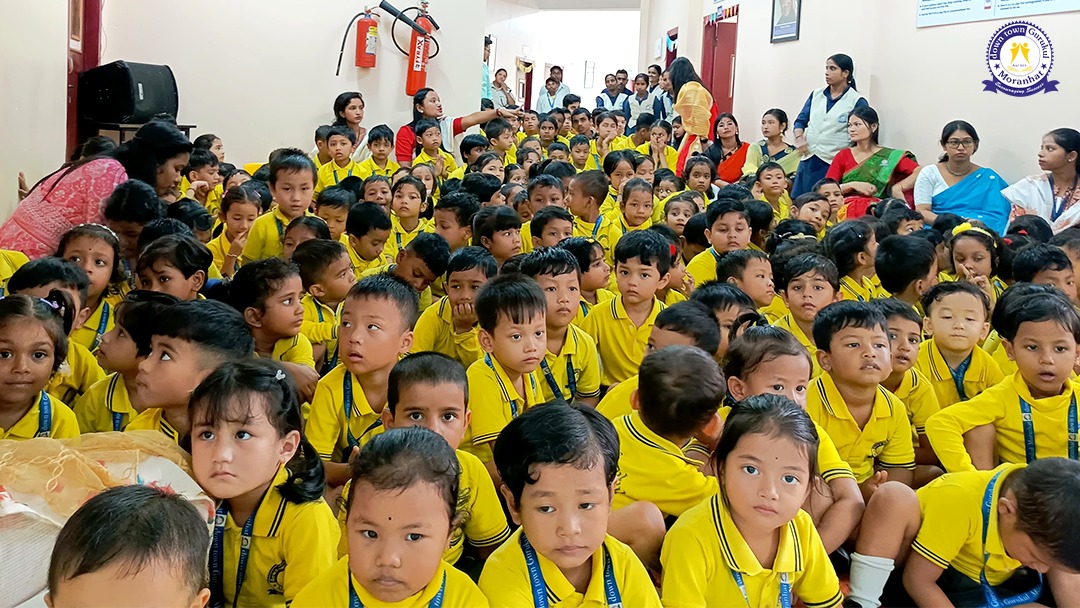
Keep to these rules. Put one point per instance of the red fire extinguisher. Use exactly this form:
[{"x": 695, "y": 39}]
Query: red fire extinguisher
[
  {"x": 419, "y": 44},
  {"x": 367, "y": 40}
]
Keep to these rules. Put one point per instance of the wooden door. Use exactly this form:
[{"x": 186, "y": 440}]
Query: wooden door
[
  {"x": 718, "y": 62},
  {"x": 84, "y": 52}
]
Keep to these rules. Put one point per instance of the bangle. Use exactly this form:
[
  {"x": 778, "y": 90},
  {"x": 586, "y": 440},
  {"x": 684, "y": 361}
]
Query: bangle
[{"x": 231, "y": 255}]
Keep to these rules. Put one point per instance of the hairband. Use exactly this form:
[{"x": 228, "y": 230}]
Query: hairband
[
  {"x": 967, "y": 227},
  {"x": 102, "y": 226},
  {"x": 795, "y": 236},
  {"x": 53, "y": 305}
]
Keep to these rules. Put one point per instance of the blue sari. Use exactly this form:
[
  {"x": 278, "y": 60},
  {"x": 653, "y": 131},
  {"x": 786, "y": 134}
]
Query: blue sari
[{"x": 977, "y": 197}]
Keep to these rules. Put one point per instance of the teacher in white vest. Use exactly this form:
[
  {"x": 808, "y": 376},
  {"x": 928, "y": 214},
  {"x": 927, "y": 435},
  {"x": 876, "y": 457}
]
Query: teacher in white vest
[{"x": 821, "y": 129}]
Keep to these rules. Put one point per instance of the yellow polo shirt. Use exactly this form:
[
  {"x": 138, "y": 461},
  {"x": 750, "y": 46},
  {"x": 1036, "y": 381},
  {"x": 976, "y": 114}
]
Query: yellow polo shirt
[
  {"x": 783, "y": 209},
  {"x": 620, "y": 227},
  {"x": 616, "y": 402},
  {"x": 425, "y": 296},
  {"x": 981, "y": 374},
  {"x": 331, "y": 588},
  {"x": 332, "y": 429},
  {"x": 602, "y": 295},
  {"x": 331, "y": 174},
  {"x": 219, "y": 246},
  {"x": 320, "y": 325},
  {"x": 704, "y": 546},
  {"x": 775, "y": 310},
  {"x": 105, "y": 407},
  {"x": 578, "y": 357},
  {"x": 884, "y": 441},
  {"x": 788, "y": 322},
  {"x": 703, "y": 266},
  {"x": 494, "y": 401},
  {"x": 153, "y": 419},
  {"x": 434, "y": 331},
  {"x": 505, "y": 579},
  {"x": 266, "y": 237},
  {"x": 448, "y": 161},
  {"x": 61, "y": 423},
  {"x": 621, "y": 343},
  {"x": 671, "y": 155},
  {"x": 858, "y": 292},
  {"x": 999, "y": 405},
  {"x": 296, "y": 349},
  {"x": 920, "y": 400},
  {"x": 291, "y": 545},
  {"x": 599, "y": 231},
  {"x": 400, "y": 237},
  {"x": 369, "y": 167},
  {"x": 76, "y": 375},
  {"x": 100, "y": 322},
  {"x": 10, "y": 261},
  {"x": 952, "y": 524}
]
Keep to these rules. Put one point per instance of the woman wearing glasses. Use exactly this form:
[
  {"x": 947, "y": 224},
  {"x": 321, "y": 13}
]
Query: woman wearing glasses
[{"x": 957, "y": 185}]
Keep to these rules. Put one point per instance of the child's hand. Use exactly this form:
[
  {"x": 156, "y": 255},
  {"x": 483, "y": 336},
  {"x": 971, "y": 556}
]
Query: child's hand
[
  {"x": 200, "y": 189},
  {"x": 983, "y": 283},
  {"x": 440, "y": 166},
  {"x": 464, "y": 316},
  {"x": 236, "y": 248},
  {"x": 306, "y": 379},
  {"x": 871, "y": 485},
  {"x": 687, "y": 285}
]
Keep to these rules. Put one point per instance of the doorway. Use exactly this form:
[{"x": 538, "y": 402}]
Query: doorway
[
  {"x": 524, "y": 80},
  {"x": 84, "y": 52},
  {"x": 718, "y": 62},
  {"x": 671, "y": 50}
]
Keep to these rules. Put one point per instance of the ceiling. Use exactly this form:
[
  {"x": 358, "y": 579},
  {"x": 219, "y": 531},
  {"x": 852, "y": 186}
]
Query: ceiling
[{"x": 571, "y": 5}]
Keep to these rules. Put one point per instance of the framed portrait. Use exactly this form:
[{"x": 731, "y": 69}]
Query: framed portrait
[{"x": 786, "y": 18}]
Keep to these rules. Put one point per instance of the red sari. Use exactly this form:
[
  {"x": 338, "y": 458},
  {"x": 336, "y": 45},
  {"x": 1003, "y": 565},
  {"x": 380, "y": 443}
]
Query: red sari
[
  {"x": 882, "y": 169},
  {"x": 730, "y": 169}
]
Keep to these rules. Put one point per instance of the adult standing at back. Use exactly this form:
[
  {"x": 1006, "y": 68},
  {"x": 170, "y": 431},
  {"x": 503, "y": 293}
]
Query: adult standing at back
[
  {"x": 486, "y": 91},
  {"x": 501, "y": 94},
  {"x": 821, "y": 129},
  {"x": 611, "y": 98},
  {"x": 73, "y": 194}
]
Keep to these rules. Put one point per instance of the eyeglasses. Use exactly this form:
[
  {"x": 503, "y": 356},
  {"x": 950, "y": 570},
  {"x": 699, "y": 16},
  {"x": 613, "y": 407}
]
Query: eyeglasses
[{"x": 956, "y": 144}]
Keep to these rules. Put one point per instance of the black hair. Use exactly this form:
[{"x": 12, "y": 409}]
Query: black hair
[
  {"x": 945, "y": 222},
  {"x": 571, "y": 99},
  {"x": 614, "y": 159},
  {"x": 513, "y": 296},
  {"x": 1069, "y": 140},
  {"x": 891, "y": 307},
  {"x": 545, "y": 216},
  {"x": 704, "y": 161},
  {"x": 1047, "y": 509},
  {"x": 808, "y": 197},
  {"x": 161, "y": 228},
  {"x": 427, "y": 369},
  {"x": 321, "y": 133},
  {"x": 239, "y": 195},
  {"x": 97, "y": 231},
  {"x": 893, "y": 217},
  {"x": 291, "y": 160},
  {"x": 405, "y": 457},
  {"x": 787, "y": 230},
  {"x": 673, "y": 240},
  {"x": 432, "y": 249},
  {"x": 462, "y": 204},
  {"x": 722, "y": 207},
  {"x": 341, "y": 102},
  {"x": 845, "y": 64},
  {"x": 786, "y": 250},
  {"x": 261, "y": 190},
  {"x": 938, "y": 292},
  {"x": 845, "y": 241},
  {"x": 953, "y": 127},
  {"x": 192, "y": 213},
  {"x": 365, "y": 217},
  {"x": 315, "y": 224},
  {"x": 213, "y": 326},
  {"x": 468, "y": 258},
  {"x": 342, "y": 131},
  {"x": 774, "y": 416},
  {"x": 733, "y": 264},
  {"x": 593, "y": 184},
  {"x": 583, "y": 249},
  {"x": 482, "y": 160},
  {"x": 481, "y": 185},
  {"x": 931, "y": 236},
  {"x": 543, "y": 181},
  {"x": 869, "y": 116},
  {"x": 1033, "y": 226},
  {"x": 635, "y": 184},
  {"x": 1068, "y": 239},
  {"x": 549, "y": 261},
  {"x": 579, "y": 140},
  {"x": 719, "y": 296},
  {"x": 240, "y": 391},
  {"x": 902, "y": 260},
  {"x": 760, "y": 344},
  {"x": 693, "y": 319},
  {"x": 679, "y": 390},
  {"x": 94, "y": 146},
  {"x": 694, "y": 231},
  {"x": 418, "y": 99},
  {"x": 51, "y": 269},
  {"x": 134, "y": 201},
  {"x": 313, "y": 258},
  {"x": 132, "y": 526},
  {"x": 648, "y": 247},
  {"x": 490, "y": 220},
  {"x": 381, "y": 133},
  {"x": 200, "y": 157},
  {"x": 808, "y": 263},
  {"x": 508, "y": 170},
  {"x": 180, "y": 251},
  {"x": 335, "y": 197},
  {"x": 256, "y": 281},
  {"x": 759, "y": 215},
  {"x": 56, "y": 312},
  {"x": 999, "y": 255},
  {"x": 1027, "y": 303},
  {"x": 139, "y": 312},
  {"x": 841, "y": 315},
  {"x": 385, "y": 286},
  {"x": 555, "y": 434}
]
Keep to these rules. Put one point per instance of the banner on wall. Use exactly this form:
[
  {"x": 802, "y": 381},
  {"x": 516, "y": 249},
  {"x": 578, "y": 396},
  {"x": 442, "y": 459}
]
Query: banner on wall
[{"x": 948, "y": 12}]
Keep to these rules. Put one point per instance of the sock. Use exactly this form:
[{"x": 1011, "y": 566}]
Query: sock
[{"x": 868, "y": 577}]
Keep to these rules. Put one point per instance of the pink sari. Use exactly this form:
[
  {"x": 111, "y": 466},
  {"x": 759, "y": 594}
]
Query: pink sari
[{"x": 64, "y": 200}]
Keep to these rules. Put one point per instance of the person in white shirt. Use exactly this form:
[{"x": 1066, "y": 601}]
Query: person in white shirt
[
  {"x": 612, "y": 97},
  {"x": 501, "y": 95},
  {"x": 549, "y": 99}
]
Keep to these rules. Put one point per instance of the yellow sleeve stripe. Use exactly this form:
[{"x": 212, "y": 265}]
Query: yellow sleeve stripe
[
  {"x": 835, "y": 600},
  {"x": 904, "y": 465},
  {"x": 832, "y": 474},
  {"x": 930, "y": 555},
  {"x": 482, "y": 439},
  {"x": 492, "y": 540}
]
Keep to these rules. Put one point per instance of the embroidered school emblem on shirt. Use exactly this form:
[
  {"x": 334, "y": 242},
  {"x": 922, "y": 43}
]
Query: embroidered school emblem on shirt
[{"x": 1020, "y": 57}]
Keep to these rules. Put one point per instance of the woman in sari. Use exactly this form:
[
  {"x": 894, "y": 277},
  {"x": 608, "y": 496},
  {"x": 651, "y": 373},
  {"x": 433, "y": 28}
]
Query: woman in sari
[
  {"x": 957, "y": 185},
  {"x": 727, "y": 151},
  {"x": 426, "y": 104},
  {"x": 1052, "y": 194},
  {"x": 695, "y": 105},
  {"x": 868, "y": 171}
]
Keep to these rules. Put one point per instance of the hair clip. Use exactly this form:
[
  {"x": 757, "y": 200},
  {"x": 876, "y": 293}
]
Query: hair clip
[
  {"x": 279, "y": 376},
  {"x": 1008, "y": 241},
  {"x": 674, "y": 251},
  {"x": 50, "y": 304},
  {"x": 1022, "y": 232}
]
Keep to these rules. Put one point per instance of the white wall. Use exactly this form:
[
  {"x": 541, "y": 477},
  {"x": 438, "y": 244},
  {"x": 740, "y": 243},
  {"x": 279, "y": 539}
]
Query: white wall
[
  {"x": 260, "y": 73},
  {"x": 33, "y": 92},
  {"x": 658, "y": 17},
  {"x": 567, "y": 39}
]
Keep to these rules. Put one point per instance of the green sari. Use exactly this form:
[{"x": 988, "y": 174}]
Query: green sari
[{"x": 878, "y": 169}]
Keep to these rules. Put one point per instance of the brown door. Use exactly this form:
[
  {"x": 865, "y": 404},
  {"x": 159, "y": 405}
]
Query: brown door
[
  {"x": 84, "y": 52},
  {"x": 718, "y": 62},
  {"x": 671, "y": 51}
]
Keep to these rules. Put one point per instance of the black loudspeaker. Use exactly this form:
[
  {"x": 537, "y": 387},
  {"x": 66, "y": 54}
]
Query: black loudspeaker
[{"x": 125, "y": 92}]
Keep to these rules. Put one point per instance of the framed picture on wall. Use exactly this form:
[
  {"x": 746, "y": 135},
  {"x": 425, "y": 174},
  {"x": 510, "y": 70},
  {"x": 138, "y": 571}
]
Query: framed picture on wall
[{"x": 786, "y": 18}]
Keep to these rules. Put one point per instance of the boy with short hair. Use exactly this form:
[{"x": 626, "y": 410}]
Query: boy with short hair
[
  {"x": 542, "y": 191},
  {"x": 1033, "y": 413},
  {"x": 728, "y": 229},
  {"x": 500, "y": 138},
  {"x": 907, "y": 268},
  {"x": 550, "y": 226},
  {"x": 810, "y": 283},
  {"x": 571, "y": 367},
  {"x": 1069, "y": 241},
  {"x": 533, "y": 455},
  {"x": 292, "y": 181},
  {"x": 186, "y": 345},
  {"x": 498, "y": 229},
  {"x": 621, "y": 329},
  {"x": 322, "y": 155},
  {"x": 453, "y": 218},
  {"x": 380, "y": 141},
  {"x": 130, "y": 207},
  {"x": 419, "y": 265},
  {"x": 559, "y": 151},
  {"x": 814, "y": 209},
  {"x": 348, "y": 401},
  {"x": 957, "y": 319},
  {"x": 327, "y": 276},
  {"x": 485, "y": 187},
  {"x": 449, "y": 325},
  {"x": 772, "y": 179},
  {"x": 368, "y": 229},
  {"x": 586, "y": 194},
  {"x": 471, "y": 147},
  {"x": 511, "y": 312},
  {"x": 751, "y": 272},
  {"x": 147, "y": 545},
  {"x": 1044, "y": 264},
  {"x": 333, "y": 205},
  {"x": 762, "y": 223},
  {"x": 340, "y": 143},
  {"x": 581, "y": 155},
  {"x": 868, "y": 424},
  {"x": 201, "y": 180}
]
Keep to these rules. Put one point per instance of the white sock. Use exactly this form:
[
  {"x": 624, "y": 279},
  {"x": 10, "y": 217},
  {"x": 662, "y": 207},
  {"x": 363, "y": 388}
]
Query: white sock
[{"x": 868, "y": 577}]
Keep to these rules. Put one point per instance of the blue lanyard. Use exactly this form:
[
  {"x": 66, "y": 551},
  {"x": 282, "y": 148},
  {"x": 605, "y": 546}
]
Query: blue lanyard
[
  {"x": 217, "y": 558},
  {"x": 571, "y": 381},
  {"x": 1029, "y": 431},
  {"x": 117, "y": 417},
  {"x": 436, "y": 602},
  {"x": 989, "y": 594},
  {"x": 596, "y": 226},
  {"x": 348, "y": 405},
  {"x": 785, "y": 588},
  {"x": 332, "y": 361},
  {"x": 513, "y": 404},
  {"x": 584, "y": 308},
  {"x": 539, "y": 587},
  {"x": 44, "y": 428},
  {"x": 103, "y": 324},
  {"x": 958, "y": 376},
  {"x": 280, "y": 229},
  {"x": 715, "y": 254},
  {"x": 336, "y": 180},
  {"x": 596, "y": 159}
]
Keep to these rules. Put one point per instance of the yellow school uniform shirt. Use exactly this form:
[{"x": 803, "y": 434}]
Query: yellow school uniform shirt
[
  {"x": 885, "y": 439},
  {"x": 359, "y": 264},
  {"x": 434, "y": 331},
  {"x": 610, "y": 206},
  {"x": 448, "y": 161},
  {"x": 320, "y": 324},
  {"x": 620, "y": 227},
  {"x": 369, "y": 167},
  {"x": 703, "y": 266},
  {"x": 425, "y": 296},
  {"x": 76, "y": 375},
  {"x": 331, "y": 588},
  {"x": 400, "y": 237},
  {"x": 602, "y": 295},
  {"x": 291, "y": 545},
  {"x": 331, "y": 174},
  {"x": 578, "y": 357},
  {"x": 61, "y": 423},
  {"x": 526, "y": 237},
  {"x": 105, "y": 407},
  {"x": 788, "y": 322},
  {"x": 653, "y": 469},
  {"x": 852, "y": 290},
  {"x": 153, "y": 419},
  {"x": 671, "y": 155},
  {"x": 505, "y": 579},
  {"x": 10, "y": 261},
  {"x": 616, "y": 402},
  {"x": 782, "y": 210},
  {"x": 296, "y": 349},
  {"x": 999, "y": 405},
  {"x": 704, "y": 547},
  {"x": 621, "y": 343},
  {"x": 99, "y": 323},
  {"x": 982, "y": 373},
  {"x": 920, "y": 400},
  {"x": 219, "y": 246},
  {"x": 266, "y": 237},
  {"x": 621, "y": 142},
  {"x": 952, "y": 525},
  {"x": 494, "y": 401},
  {"x": 775, "y": 310},
  {"x": 332, "y": 429}
]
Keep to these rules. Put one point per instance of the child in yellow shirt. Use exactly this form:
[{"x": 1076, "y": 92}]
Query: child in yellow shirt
[
  {"x": 550, "y": 226},
  {"x": 737, "y": 544},
  {"x": 292, "y": 184},
  {"x": 10, "y": 261},
  {"x": 380, "y": 141},
  {"x": 429, "y": 143},
  {"x": 1044, "y": 264},
  {"x": 772, "y": 180},
  {"x": 368, "y": 231},
  {"x": 501, "y": 140},
  {"x": 410, "y": 199},
  {"x": 326, "y": 276},
  {"x": 176, "y": 264},
  {"x": 620, "y": 167},
  {"x": 582, "y": 154},
  {"x": 96, "y": 250},
  {"x": 809, "y": 284},
  {"x": 340, "y": 143},
  {"x": 453, "y": 218},
  {"x": 635, "y": 209},
  {"x": 907, "y": 267},
  {"x": 657, "y": 148},
  {"x": 585, "y": 198},
  {"x": 239, "y": 209},
  {"x": 595, "y": 274},
  {"x": 851, "y": 245},
  {"x": 812, "y": 208},
  {"x": 751, "y": 272},
  {"x": 420, "y": 264},
  {"x": 498, "y": 229},
  {"x": 301, "y": 230},
  {"x": 727, "y": 229},
  {"x": 448, "y": 326},
  {"x": 957, "y": 319},
  {"x": 202, "y": 180},
  {"x": 272, "y": 519},
  {"x": 406, "y": 480},
  {"x": 332, "y": 206},
  {"x": 377, "y": 190},
  {"x": 580, "y": 564}
]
